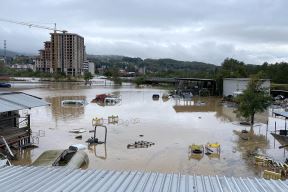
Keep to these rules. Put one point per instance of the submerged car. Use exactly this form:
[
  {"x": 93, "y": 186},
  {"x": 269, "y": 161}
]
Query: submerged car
[
  {"x": 74, "y": 157},
  {"x": 73, "y": 102},
  {"x": 155, "y": 96},
  {"x": 107, "y": 99}
]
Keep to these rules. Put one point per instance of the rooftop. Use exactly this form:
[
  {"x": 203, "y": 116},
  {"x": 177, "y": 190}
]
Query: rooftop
[
  {"x": 22, "y": 178},
  {"x": 194, "y": 79},
  {"x": 244, "y": 79},
  {"x": 13, "y": 101}
]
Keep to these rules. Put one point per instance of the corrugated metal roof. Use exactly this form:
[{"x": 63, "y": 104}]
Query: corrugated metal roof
[
  {"x": 244, "y": 79},
  {"x": 12, "y": 101},
  {"x": 281, "y": 113},
  {"x": 22, "y": 178}
]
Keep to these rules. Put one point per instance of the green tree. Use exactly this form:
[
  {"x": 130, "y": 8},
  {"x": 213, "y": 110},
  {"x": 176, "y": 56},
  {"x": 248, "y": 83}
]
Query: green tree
[
  {"x": 87, "y": 76},
  {"x": 139, "y": 80},
  {"x": 253, "y": 100},
  {"x": 234, "y": 68},
  {"x": 116, "y": 76}
]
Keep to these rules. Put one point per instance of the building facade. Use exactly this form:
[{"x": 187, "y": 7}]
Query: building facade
[
  {"x": 23, "y": 67},
  {"x": 235, "y": 86},
  {"x": 64, "y": 53},
  {"x": 89, "y": 66}
]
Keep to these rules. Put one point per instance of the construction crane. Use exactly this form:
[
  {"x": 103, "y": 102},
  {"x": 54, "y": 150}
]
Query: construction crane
[{"x": 34, "y": 25}]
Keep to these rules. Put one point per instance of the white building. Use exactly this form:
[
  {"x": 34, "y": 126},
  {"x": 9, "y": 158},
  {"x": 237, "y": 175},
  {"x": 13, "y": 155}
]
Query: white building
[
  {"x": 89, "y": 66},
  {"x": 235, "y": 86},
  {"x": 23, "y": 67}
]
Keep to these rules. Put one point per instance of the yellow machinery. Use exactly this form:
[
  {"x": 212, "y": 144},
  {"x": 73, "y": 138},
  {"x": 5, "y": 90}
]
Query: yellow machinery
[
  {"x": 97, "y": 121},
  {"x": 113, "y": 119},
  {"x": 271, "y": 175}
]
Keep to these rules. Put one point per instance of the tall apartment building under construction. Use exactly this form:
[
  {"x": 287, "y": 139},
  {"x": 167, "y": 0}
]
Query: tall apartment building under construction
[{"x": 64, "y": 53}]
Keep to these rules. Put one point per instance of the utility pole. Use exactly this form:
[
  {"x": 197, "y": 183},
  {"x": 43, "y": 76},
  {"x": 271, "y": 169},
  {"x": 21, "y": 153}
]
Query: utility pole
[{"x": 4, "y": 52}]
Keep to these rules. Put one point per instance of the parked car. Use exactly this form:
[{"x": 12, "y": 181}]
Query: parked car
[
  {"x": 73, "y": 157},
  {"x": 5, "y": 85}
]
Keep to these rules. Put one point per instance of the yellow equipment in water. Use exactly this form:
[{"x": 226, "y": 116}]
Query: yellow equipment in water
[
  {"x": 195, "y": 152},
  {"x": 113, "y": 119},
  {"x": 97, "y": 121},
  {"x": 271, "y": 175},
  {"x": 214, "y": 145},
  {"x": 196, "y": 148},
  {"x": 212, "y": 150}
]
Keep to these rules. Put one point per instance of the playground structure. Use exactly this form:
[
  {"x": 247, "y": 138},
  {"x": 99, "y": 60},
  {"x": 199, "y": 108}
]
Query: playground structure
[{"x": 100, "y": 122}]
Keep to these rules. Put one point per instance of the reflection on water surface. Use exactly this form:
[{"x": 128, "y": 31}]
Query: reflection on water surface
[{"x": 171, "y": 124}]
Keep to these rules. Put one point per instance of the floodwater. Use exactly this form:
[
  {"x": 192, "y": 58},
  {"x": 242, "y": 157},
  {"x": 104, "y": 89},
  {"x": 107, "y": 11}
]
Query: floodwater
[{"x": 171, "y": 124}]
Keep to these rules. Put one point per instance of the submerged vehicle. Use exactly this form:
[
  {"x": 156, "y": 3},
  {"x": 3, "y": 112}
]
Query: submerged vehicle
[
  {"x": 107, "y": 99},
  {"x": 5, "y": 85},
  {"x": 73, "y": 157},
  {"x": 155, "y": 96},
  {"x": 99, "y": 98},
  {"x": 112, "y": 100},
  {"x": 73, "y": 102}
]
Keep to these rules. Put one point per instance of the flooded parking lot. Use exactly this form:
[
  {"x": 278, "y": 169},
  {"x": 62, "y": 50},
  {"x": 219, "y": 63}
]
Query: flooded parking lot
[{"x": 171, "y": 124}]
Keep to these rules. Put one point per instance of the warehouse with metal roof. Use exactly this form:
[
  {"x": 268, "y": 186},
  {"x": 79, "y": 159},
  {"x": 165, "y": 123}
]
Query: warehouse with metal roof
[{"x": 23, "y": 178}]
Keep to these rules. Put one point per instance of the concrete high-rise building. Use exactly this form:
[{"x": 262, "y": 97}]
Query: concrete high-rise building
[
  {"x": 43, "y": 61},
  {"x": 64, "y": 53}
]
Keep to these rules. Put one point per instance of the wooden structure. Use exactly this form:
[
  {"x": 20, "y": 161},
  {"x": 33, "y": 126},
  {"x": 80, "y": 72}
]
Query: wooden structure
[{"x": 15, "y": 129}]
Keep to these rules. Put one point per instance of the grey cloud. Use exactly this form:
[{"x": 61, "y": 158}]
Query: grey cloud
[{"x": 206, "y": 30}]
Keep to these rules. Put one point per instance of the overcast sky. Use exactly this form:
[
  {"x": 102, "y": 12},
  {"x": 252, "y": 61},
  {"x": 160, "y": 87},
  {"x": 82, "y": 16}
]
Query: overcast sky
[{"x": 253, "y": 31}]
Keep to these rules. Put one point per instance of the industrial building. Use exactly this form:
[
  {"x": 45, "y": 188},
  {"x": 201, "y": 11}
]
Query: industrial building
[
  {"x": 235, "y": 86},
  {"x": 65, "y": 52}
]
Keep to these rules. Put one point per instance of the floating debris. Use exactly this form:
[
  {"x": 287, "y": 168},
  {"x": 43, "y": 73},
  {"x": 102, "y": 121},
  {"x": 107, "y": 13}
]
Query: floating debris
[
  {"x": 94, "y": 140},
  {"x": 245, "y": 123},
  {"x": 81, "y": 130},
  {"x": 140, "y": 144},
  {"x": 275, "y": 170},
  {"x": 78, "y": 137},
  {"x": 141, "y": 135},
  {"x": 244, "y": 131}
]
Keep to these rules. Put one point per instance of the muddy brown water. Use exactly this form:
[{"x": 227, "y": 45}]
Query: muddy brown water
[{"x": 171, "y": 124}]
